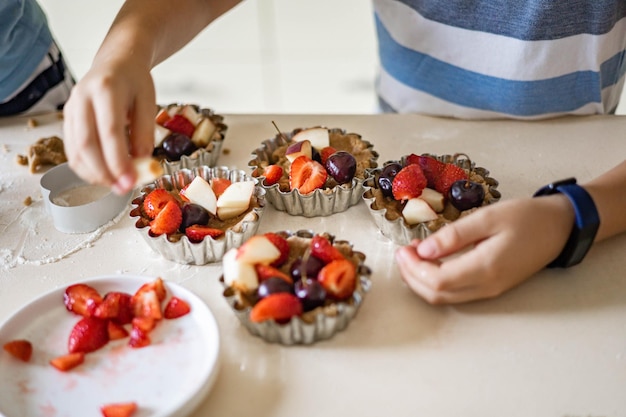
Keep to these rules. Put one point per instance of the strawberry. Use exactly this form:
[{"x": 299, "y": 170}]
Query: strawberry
[
  {"x": 20, "y": 349},
  {"x": 180, "y": 124},
  {"x": 168, "y": 220},
  {"x": 278, "y": 306},
  {"x": 116, "y": 331},
  {"x": 273, "y": 174},
  {"x": 176, "y": 308},
  {"x": 66, "y": 362},
  {"x": 322, "y": 249},
  {"x": 145, "y": 324},
  {"x": 265, "y": 272},
  {"x": 197, "y": 232},
  {"x": 182, "y": 192},
  {"x": 431, "y": 167},
  {"x": 338, "y": 279},
  {"x": 115, "y": 306},
  {"x": 162, "y": 117},
  {"x": 450, "y": 174},
  {"x": 157, "y": 285},
  {"x": 81, "y": 299},
  {"x": 139, "y": 338},
  {"x": 282, "y": 245},
  {"x": 326, "y": 152},
  {"x": 219, "y": 185},
  {"x": 147, "y": 304},
  {"x": 408, "y": 183},
  {"x": 155, "y": 201},
  {"x": 118, "y": 409},
  {"x": 306, "y": 175},
  {"x": 88, "y": 335}
]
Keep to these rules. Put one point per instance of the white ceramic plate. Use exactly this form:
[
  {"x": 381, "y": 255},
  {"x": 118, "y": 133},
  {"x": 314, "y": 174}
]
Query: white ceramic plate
[{"x": 169, "y": 377}]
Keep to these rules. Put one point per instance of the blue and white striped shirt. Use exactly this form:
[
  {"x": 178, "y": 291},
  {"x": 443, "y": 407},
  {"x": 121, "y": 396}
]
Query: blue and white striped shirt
[{"x": 487, "y": 59}]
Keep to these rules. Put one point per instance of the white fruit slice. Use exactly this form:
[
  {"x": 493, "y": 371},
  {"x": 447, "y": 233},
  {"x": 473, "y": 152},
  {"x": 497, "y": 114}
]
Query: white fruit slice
[
  {"x": 199, "y": 192},
  {"x": 417, "y": 210},
  {"x": 174, "y": 110},
  {"x": 160, "y": 133},
  {"x": 203, "y": 133},
  {"x": 318, "y": 136},
  {"x": 297, "y": 149},
  {"x": 225, "y": 213},
  {"x": 238, "y": 274},
  {"x": 191, "y": 114},
  {"x": 236, "y": 195},
  {"x": 434, "y": 199},
  {"x": 258, "y": 250}
]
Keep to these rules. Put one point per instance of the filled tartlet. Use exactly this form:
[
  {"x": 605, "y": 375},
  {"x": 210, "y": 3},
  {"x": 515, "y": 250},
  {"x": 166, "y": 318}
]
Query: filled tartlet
[
  {"x": 295, "y": 287},
  {"x": 315, "y": 171},
  {"x": 187, "y": 136},
  {"x": 196, "y": 216},
  {"x": 412, "y": 197}
]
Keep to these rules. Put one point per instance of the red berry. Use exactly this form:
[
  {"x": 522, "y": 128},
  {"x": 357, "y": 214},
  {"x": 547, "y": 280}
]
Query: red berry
[
  {"x": 431, "y": 167},
  {"x": 176, "y": 308},
  {"x": 273, "y": 174},
  {"x": 197, "y": 232},
  {"x": 451, "y": 173},
  {"x": 338, "y": 279},
  {"x": 66, "y": 362},
  {"x": 265, "y": 272},
  {"x": 325, "y": 153},
  {"x": 282, "y": 245},
  {"x": 322, "y": 249},
  {"x": 81, "y": 299},
  {"x": 408, "y": 183},
  {"x": 115, "y": 306},
  {"x": 116, "y": 331},
  {"x": 88, "y": 335},
  {"x": 219, "y": 185},
  {"x": 168, "y": 220},
  {"x": 20, "y": 349},
  {"x": 118, "y": 409},
  {"x": 180, "y": 124},
  {"x": 306, "y": 175},
  {"x": 155, "y": 201},
  {"x": 278, "y": 306}
]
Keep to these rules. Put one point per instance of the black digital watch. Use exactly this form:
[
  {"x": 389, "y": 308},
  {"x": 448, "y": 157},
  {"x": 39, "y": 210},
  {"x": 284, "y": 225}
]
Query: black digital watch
[{"x": 586, "y": 223}]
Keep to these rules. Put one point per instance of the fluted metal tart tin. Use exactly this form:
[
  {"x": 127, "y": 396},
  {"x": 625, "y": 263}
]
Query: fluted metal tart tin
[
  {"x": 319, "y": 203},
  {"x": 397, "y": 230},
  {"x": 208, "y": 155},
  {"x": 209, "y": 250},
  {"x": 314, "y": 326}
]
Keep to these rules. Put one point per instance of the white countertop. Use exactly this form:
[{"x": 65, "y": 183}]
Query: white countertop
[{"x": 555, "y": 346}]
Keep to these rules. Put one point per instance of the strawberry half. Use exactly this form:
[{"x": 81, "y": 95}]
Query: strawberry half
[
  {"x": 219, "y": 185},
  {"x": 118, "y": 409},
  {"x": 115, "y": 306},
  {"x": 88, "y": 335},
  {"x": 81, "y": 299},
  {"x": 322, "y": 249},
  {"x": 338, "y": 279},
  {"x": 431, "y": 167},
  {"x": 282, "y": 245},
  {"x": 176, "y": 308},
  {"x": 20, "y": 349},
  {"x": 66, "y": 362},
  {"x": 408, "y": 183},
  {"x": 265, "y": 272},
  {"x": 326, "y": 152},
  {"x": 116, "y": 331},
  {"x": 278, "y": 306},
  {"x": 168, "y": 220},
  {"x": 180, "y": 124},
  {"x": 273, "y": 174},
  {"x": 155, "y": 201},
  {"x": 197, "y": 232},
  {"x": 451, "y": 173},
  {"x": 306, "y": 175}
]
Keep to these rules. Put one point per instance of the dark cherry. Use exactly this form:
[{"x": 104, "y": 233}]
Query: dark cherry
[
  {"x": 385, "y": 179},
  {"x": 341, "y": 166},
  {"x": 194, "y": 214},
  {"x": 311, "y": 293},
  {"x": 273, "y": 285},
  {"x": 465, "y": 195},
  {"x": 312, "y": 268},
  {"x": 315, "y": 155},
  {"x": 176, "y": 145}
]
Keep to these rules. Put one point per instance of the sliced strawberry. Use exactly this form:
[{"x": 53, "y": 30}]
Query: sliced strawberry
[
  {"x": 176, "y": 308},
  {"x": 219, "y": 185},
  {"x": 115, "y": 306},
  {"x": 81, "y": 299},
  {"x": 408, "y": 183},
  {"x": 278, "y": 306},
  {"x": 155, "y": 201},
  {"x": 322, "y": 249},
  {"x": 306, "y": 175},
  {"x": 282, "y": 245},
  {"x": 145, "y": 324},
  {"x": 157, "y": 285},
  {"x": 168, "y": 220},
  {"x": 326, "y": 152},
  {"x": 116, "y": 331},
  {"x": 338, "y": 279},
  {"x": 118, "y": 409},
  {"x": 180, "y": 124},
  {"x": 431, "y": 167},
  {"x": 162, "y": 117},
  {"x": 139, "y": 338},
  {"x": 20, "y": 349},
  {"x": 451, "y": 174},
  {"x": 181, "y": 193},
  {"x": 88, "y": 335},
  {"x": 265, "y": 272},
  {"x": 273, "y": 174},
  {"x": 147, "y": 304},
  {"x": 66, "y": 362},
  {"x": 197, "y": 232}
]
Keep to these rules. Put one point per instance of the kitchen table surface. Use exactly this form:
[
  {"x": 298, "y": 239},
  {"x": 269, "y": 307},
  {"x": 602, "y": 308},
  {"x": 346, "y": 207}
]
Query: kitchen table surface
[{"x": 554, "y": 346}]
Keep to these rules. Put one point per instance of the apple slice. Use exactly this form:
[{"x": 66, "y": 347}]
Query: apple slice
[
  {"x": 417, "y": 210},
  {"x": 258, "y": 250},
  {"x": 203, "y": 133},
  {"x": 296, "y": 149},
  {"x": 236, "y": 195},
  {"x": 191, "y": 114},
  {"x": 160, "y": 133},
  {"x": 239, "y": 274},
  {"x": 162, "y": 117},
  {"x": 319, "y": 137},
  {"x": 174, "y": 110},
  {"x": 434, "y": 199},
  {"x": 225, "y": 213},
  {"x": 199, "y": 192}
]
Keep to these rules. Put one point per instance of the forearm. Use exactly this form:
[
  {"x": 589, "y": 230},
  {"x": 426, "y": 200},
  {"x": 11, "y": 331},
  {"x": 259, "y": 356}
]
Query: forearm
[
  {"x": 609, "y": 194},
  {"x": 149, "y": 31}
]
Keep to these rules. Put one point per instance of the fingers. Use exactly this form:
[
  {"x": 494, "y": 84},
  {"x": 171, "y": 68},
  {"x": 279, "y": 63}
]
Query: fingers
[{"x": 142, "y": 122}]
